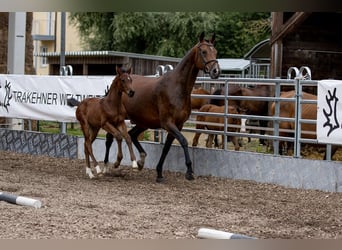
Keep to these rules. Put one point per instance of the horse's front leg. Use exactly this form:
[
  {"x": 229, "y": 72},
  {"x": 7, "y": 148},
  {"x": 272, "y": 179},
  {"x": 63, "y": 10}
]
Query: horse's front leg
[
  {"x": 123, "y": 130},
  {"x": 166, "y": 149},
  {"x": 119, "y": 155}
]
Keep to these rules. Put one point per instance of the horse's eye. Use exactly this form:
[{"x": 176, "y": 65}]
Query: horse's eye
[{"x": 204, "y": 52}]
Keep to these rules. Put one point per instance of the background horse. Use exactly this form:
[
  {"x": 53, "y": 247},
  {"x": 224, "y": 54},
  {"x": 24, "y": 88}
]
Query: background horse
[
  {"x": 165, "y": 102},
  {"x": 249, "y": 107},
  {"x": 219, "y": 121},
  {"x": 309, "y": 111},
  {"x": 107, "y": 113},
  {"x": 197, "y": 103}
]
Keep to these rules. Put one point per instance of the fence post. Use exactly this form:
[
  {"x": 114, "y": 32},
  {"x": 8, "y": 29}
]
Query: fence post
[
  {"x": 276, "y": 121},
  {"x": 226, "y": 115},
  {"x": 298, "y": 115}
]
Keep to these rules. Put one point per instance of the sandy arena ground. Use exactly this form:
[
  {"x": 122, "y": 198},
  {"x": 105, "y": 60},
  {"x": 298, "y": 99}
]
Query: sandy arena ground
[{"x": 136, "y": 207}]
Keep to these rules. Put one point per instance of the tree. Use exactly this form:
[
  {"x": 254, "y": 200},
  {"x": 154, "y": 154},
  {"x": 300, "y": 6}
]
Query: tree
[{"x": 172, "y": 33}]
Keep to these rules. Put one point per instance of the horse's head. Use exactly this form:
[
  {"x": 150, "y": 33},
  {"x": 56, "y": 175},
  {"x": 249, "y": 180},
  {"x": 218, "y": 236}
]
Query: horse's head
[
  {"x": 206, "y": 56},
  {"x": 125, "y": 81}
]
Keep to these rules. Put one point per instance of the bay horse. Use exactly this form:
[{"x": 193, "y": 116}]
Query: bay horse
[
  {"x": 218, "y": 120},
  {"x": 165, "y": 102},
  {"x": 249, "y": 107},
  {"x": 109, "y": 114},
  {"x": 309, "y": 111},
  {"x": 197, "y": 103}
]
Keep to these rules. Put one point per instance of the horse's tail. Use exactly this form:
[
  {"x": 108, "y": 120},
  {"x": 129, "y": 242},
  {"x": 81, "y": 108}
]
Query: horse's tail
[{"x": 72, "y": 102}]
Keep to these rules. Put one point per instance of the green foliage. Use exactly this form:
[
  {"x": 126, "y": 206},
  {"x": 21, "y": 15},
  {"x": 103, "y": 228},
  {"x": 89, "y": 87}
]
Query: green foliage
[{"x": 172, "y": 33}]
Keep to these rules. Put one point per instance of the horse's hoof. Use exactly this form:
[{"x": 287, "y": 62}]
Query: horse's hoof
[
  {"x": 189, "y": 177},
  {"x": 160, "y": 179},
  {"x": 140, "y": 165}
]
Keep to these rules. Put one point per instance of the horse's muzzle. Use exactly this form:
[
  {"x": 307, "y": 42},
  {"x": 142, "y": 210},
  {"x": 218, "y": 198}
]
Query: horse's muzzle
[
  {"x": 130, "y": 93},
  {"x": 215, "y": 72}
]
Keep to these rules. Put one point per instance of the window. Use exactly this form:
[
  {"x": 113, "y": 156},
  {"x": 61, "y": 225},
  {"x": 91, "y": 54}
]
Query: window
[{"x": 43, "y": 59}]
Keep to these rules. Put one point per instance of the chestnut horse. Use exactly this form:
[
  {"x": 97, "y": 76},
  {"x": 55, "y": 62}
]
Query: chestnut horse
[
  {"x": 197, "y": 103},
  {"x": 218, "y": 120},
  {"x": 309, "y": 111},
  {"x": 165, "y": 102},
  {"x": 109, "y": 114}
]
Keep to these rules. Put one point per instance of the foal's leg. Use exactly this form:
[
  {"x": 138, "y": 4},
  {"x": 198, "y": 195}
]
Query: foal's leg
[
  {"x": 134, "y": 133},
  {"x": 123, "y": 130},
  {"x": 118, "y": 136},
  {"x": 119, "y": 155},
  {"x": 93, "y": 131},
  {"x": 88, "y": 151}
]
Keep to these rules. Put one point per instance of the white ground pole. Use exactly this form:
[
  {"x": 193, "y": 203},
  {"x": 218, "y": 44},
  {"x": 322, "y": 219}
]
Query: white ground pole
[
  {"x": 20, "y": 200},
  {"x": 207, "y": 233},
  {"x": 16, "y": 53}
]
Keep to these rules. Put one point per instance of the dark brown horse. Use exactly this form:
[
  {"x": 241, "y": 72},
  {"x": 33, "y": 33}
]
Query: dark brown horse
[
  {"x": 165, "y": 102},
  {"x": 214, "y": 122},
  {"x": 109, "y": 114}
]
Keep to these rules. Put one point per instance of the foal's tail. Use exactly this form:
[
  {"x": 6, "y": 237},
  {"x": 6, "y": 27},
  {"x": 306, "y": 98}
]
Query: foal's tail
[{"x": 72, "y": 102}]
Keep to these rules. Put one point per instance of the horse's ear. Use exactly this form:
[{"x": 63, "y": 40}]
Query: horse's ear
[
  {"x": 118, "y": 70},
  {"x": 212, "y": 40},
  {"x": 201, "y": 37},
  {"x": 129, "y": 71}
]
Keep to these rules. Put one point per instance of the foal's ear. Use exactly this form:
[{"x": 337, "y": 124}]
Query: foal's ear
[
  {"x": 118, "y": 70},
  {"x": 212, "y": 39},
  {"x": 201, "y": 37}
]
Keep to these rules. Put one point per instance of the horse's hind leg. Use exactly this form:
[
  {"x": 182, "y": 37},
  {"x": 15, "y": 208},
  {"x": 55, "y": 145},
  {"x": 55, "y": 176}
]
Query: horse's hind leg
[
  {"x": 134, "y": 133},
  {"x": 173, "y": 132},
  {"x": 88, "y": 144},
  {"x": 236, "y": 143},
  {"x": 86, "y": 154},
  {"x": 88, "y": 151},
  {"x": 210, "y": 139},
  {"x": 195, "y": 139}
]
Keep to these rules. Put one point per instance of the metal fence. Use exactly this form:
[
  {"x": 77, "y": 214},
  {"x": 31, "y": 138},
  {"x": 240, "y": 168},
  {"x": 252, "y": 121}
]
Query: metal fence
[{"x": 272, "y": 131}]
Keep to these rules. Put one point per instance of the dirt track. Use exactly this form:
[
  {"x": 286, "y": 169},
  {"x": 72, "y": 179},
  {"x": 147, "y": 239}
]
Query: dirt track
[{"x": 136, "y": 207}]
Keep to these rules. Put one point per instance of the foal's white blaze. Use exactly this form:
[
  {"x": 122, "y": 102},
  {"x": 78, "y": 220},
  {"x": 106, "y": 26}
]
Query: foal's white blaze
[{"x": 89, "y": 173}]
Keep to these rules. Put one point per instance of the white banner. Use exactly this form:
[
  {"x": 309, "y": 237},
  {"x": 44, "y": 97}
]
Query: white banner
[
  {"x": 45, "y": 97},
  {"x": 329, "y": 112}
]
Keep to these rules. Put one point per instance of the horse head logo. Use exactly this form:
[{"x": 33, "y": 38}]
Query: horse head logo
[{"x": 5, "y": 95}]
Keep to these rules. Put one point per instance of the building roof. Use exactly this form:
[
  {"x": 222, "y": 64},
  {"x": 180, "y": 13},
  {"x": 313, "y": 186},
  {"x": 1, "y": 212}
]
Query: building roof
[
  {"x": 233, "y": 64},
  {"x": 261, "y": 50},
  {"x": 109, "y": 53}
]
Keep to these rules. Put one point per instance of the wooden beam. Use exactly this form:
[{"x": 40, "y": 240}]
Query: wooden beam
[{"x": 289, "y": 26}]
